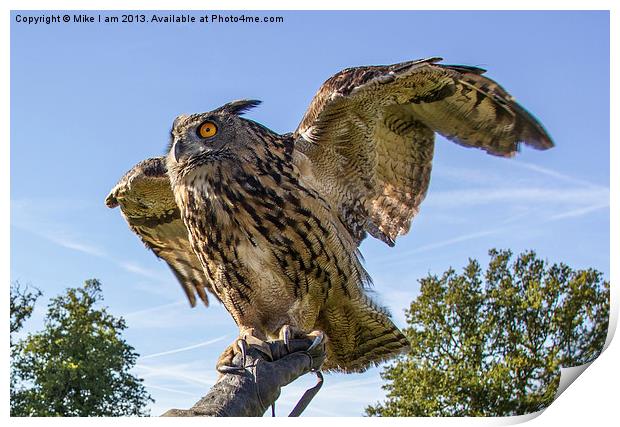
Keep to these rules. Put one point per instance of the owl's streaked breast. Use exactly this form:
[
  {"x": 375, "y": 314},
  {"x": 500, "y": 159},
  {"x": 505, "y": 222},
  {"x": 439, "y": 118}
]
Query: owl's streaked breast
[{"x": 266, "y": 239}]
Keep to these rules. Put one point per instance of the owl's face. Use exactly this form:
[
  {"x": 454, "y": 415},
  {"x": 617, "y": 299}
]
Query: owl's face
[{"x": 215, "y": 136}]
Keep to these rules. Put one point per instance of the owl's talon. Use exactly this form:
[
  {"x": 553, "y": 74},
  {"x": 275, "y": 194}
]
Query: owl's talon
[
  {"x": 248, "y": 337},
  {"x": 288, "y": 333},
  {"x": 285, "y": 335},
  {"x": 224, "y": 363},
  {"x": 317, "y": 341},
  {"x": 242, "y": 344},
  {"x": 230, "y": 368}
]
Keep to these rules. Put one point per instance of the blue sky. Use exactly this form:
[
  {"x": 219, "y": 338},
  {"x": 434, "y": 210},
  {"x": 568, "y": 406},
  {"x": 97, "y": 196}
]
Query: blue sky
[{"x": 88, "y": 101}]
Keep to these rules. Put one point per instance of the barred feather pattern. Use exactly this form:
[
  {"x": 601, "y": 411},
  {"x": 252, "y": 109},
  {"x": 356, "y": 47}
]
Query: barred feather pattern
[
  {"x": 369, "y": 134},
  {"x": 147, "y": 204},
  {"x": 276, "y": 253}
]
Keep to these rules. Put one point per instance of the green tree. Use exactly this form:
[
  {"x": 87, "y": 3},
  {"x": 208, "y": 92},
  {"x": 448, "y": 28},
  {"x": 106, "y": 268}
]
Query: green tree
[
  {"x": 22, "y": 302},
  {"x": 78, "y": 365},
  {"x": 492, "y": 344}
]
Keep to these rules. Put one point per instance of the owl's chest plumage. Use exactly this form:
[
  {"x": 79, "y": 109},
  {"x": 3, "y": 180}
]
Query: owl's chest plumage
[{"x": 271, "y": 246}]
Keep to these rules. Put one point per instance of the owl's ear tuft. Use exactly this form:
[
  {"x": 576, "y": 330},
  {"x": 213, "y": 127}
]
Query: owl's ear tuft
[{"x": 240, "y": 106}]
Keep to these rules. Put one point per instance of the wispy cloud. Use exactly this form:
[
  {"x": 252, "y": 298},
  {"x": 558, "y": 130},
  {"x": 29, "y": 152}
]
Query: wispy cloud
[
  {"x": 449, "y": 242},
  {"x": 570, "y": 213},
  {"x": 198, "y": 373},
  {"x": 170, "y": 390},
  {"x": 24, "y": 217},
  {"x": 151, "y": 310},
  {"x": 555, "y": 174},
  {"x": 182, "y": 349},
  {"x": 517, "y": 195},
  {"x": 562, "y": 196},
  {"x": 578, "y": 212},
  {"x": 405, "y": 256},
  {"x": 62, "y": 239},
  {"x": 464, "y": 175},
  {"x": 65, "y": 239},
  {"x": 133, "y": 267}
]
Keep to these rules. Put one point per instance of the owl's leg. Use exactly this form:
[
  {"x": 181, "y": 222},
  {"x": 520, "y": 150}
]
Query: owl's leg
[
  {"x": 252, "y": 335},
  {"x": 226, "y": 358},
  {"x": 288, "y": 332}
]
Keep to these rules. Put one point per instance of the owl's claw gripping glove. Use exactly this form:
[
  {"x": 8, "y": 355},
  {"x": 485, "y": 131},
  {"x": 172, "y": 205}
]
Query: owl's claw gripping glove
[{"x": 261, "y": 370}]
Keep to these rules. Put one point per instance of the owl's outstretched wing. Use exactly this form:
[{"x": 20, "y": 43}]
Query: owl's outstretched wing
[
  {"x": 369, "y": 135},
  {"x": 147, "y": 203}
]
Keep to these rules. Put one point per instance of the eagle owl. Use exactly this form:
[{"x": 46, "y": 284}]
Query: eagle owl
[{"x": 270, "y": 224}]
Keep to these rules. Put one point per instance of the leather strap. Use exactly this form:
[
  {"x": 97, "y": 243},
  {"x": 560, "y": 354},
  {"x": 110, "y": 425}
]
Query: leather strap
[{"x": 308, "y": 396}]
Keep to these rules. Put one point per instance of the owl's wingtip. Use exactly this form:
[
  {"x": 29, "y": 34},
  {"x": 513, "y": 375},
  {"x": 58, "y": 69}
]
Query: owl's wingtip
[{"x": 111, "y": 201}]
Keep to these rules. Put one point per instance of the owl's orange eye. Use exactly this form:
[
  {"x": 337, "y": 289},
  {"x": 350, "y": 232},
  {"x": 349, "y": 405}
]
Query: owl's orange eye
[{"x": 207, "y": 130}]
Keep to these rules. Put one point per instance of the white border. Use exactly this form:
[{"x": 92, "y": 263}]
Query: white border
[{"x": 591, "y": 400}]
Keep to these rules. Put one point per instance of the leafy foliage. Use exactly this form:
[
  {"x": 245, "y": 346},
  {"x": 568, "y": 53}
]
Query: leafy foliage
[
  {"x": 78, "y": 365},
  {"x": 22, "y": 302},
  {"x": 494, "y": 347}
]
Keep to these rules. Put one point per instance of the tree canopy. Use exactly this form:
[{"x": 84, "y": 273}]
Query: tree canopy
[
  {"x": 78, "y": 365},
  {"x": 492, "y": 343}
]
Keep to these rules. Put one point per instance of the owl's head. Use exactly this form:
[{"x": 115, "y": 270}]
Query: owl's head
[{"x": 213, "y": 136}]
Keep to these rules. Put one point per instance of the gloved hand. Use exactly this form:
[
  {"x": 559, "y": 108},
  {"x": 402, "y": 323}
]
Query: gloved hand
[{"x": 253, "y": 384}]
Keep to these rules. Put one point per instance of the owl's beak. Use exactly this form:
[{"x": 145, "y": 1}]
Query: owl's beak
[{"x": 178, "y": 150}]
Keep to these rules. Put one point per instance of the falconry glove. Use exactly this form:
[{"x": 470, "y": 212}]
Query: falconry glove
[{"x": 254, "y": 383}]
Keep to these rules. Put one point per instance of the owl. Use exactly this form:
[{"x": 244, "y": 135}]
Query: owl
[{"x": 270, "y": 224}]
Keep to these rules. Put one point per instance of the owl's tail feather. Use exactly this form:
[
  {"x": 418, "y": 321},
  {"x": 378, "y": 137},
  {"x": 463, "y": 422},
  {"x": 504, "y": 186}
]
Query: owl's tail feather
[{"x": 360, "y": 335}]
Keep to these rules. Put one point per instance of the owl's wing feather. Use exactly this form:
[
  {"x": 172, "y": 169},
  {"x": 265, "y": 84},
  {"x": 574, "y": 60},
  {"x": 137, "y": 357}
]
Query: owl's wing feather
[
  {"x": 147, "y": 203},
  {"x": 369, "y": 134}
]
